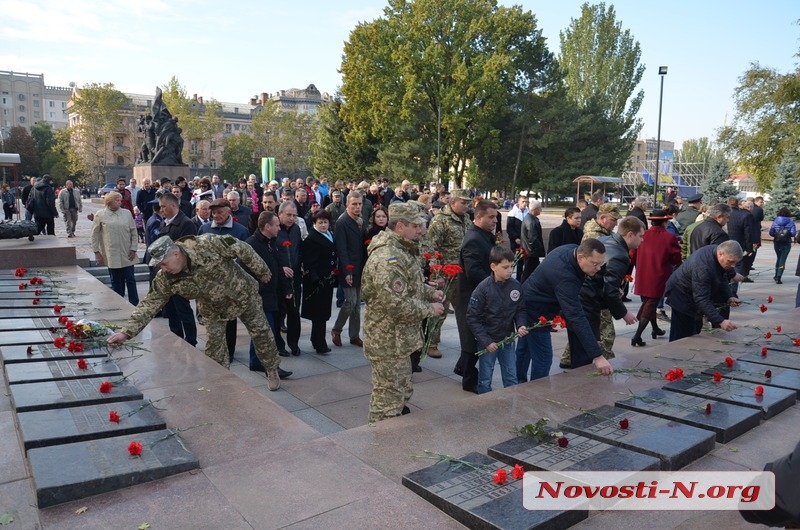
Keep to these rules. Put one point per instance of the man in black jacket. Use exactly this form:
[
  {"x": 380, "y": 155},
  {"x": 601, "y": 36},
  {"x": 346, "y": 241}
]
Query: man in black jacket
[
  {"x": 568, "y": 232},
  {"x": 474, "y": 259},
  {"x": 532, "y": 240},
  {"x": 26, "y": 192},
  {"x": 711, "y": 231},
  {"x": 638, "y": 208},
  {"x": 740, "y": 228},
  {"x": 514, "y": 228},
  {"x": 590, "y": 212},
  {"x": 290, "y": 258},
  {"x": 144, "y": 198},
  {"x": 699, "y": 286},
  {"x": 43, "y": 205},
  {"x": 351, "y": 253}
]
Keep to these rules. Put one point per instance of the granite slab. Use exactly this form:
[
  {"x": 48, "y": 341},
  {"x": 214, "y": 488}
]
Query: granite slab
[
  {"x": 581, "y": 454},
  {"x": 471, "y": 497},
  {"x": 674, "y": 444},
  {"x": 42, "y": 428},
  {"x": 726, "y": 420},
  {"x": 27, "y": 323},
  {"x": 741, "y": 394},
  {"x": 39, "y": 352},
  {"x": 784, "y": 346},
  {"x": 774, "y": 358},
  {"x": 24, "y": 302},
  {"x": 31, "y": 312},
  {"x": 69, "y": 393},
  {"x": 8, "y": 338},
  {"x": 18, "y": 373},
  {"x": 47, "y": 297},
  {"x": 13, "y": 287},
  {"x": 67, "y": 472},
  {"x": 755, "y": 373}
]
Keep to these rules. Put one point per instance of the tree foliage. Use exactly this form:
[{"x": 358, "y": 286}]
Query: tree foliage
[
  {"x": 715, "y": 185},
  {"x": 20, "y": 141},
  {"x": 238, "y": 159},
  {"x": 199, "y": 122},
  {"x": 784, "y": 189},
  {"x": 696, "y": 151},
  {"x": 766, "y": 126},
  {"x": 331, "y": 155}
]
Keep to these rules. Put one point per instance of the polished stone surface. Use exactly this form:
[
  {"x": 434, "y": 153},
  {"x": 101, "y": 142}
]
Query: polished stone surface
[
  {"x": 774, "y": 358},
  {"x": 470, "y": 496},
  {"x": 41, "y": 352},
  {"x": 67, "y": 472},
  {"x": 726, "y": 420},
  {"x": 69, "y": 393},
  {"x": 59, "y": 426},
  {"x": 30, "y": 312},
  {"x": 18, "y": 338},
  {"x": 22, "y": 323},
  {"x": 675, "y": 444},
  {"x": 755, "y": 374},
  {"x": 64, "y": 369}
]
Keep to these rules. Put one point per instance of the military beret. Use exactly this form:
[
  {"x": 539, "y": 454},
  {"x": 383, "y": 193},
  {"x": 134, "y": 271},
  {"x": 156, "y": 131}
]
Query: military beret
[
  {"x": 460, "y": 194},
  {"x": 697, "y": 197},
  {"x": 160, "y": 249}
]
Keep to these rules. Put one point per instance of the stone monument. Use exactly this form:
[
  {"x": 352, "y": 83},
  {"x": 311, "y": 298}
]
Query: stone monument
[{"x": 160, "y": 153}]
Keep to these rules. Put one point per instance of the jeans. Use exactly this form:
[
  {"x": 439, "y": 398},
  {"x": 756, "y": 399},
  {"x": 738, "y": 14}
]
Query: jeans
[
  {"x": 781, "y": 252},
  {"x": 124, "y": 277},
  {"x": 534, "y": 350},
  {"x": 508, "y": 368}
]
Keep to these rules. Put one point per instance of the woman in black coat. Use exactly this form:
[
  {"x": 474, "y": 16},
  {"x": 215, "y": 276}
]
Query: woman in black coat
[{"x": 319, "y": 262}]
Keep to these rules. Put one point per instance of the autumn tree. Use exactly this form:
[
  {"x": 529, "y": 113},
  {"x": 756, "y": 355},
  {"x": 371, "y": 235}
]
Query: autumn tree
[
  {"x": 19, "y": 141},
  {"x": 696, "y": 151},
  {"x": 715, "y": 185},
  {"x": 238, "y": 159},
  {"x": 200, "y": 122}
]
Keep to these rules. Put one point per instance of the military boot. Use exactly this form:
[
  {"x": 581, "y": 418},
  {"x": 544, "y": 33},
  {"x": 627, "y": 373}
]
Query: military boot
[{"x": 273, "y": 379}]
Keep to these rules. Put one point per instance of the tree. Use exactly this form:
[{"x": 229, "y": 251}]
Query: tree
[
  {"x": 715, "y": 185},
  {"x": 238, "y": 159},
  {"x": 199, "y": 122},
  {"x": 20, "y": 142},
  {"x": 766, "y": 126},
  {"x": 56, "y": 160},
  {"x": 601, "y": 65},
  {"x": 43, "y": 137},
  {"x": 784, "y": 189},
  {"x": 98, "y": 106},
  {"x": 696, "y": 151},
  {"x": 431, "y": 67}
]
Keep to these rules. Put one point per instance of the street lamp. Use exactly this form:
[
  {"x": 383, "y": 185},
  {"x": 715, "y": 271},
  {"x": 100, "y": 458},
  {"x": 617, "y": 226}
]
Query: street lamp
[{"x": 662, "y": 71}]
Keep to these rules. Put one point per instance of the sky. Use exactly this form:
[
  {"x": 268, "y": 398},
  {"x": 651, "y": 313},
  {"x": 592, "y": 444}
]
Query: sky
[{"x": 234, "y": 49}]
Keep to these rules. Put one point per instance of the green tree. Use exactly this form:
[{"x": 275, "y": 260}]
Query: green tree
[
  {"x": 696, "y": 151},
  {"x": 43, "y": 137},
  {"x": 285, "y": 136},
  {"x": 199, "y": 122},
  {"x": 238, "y": 158},
  {"x": 784, "y": 189},
  {"x": 98, "y": 106},
  {"x": 437, "y": 66},
  {"x": 56, "y": 160},
  {"x": 766, "y": 126},
  {"x": 716, "y": 185},
  {"x": 20, "y": 142}
]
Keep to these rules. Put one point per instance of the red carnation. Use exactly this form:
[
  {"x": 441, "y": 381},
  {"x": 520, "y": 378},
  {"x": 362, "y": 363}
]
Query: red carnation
[
  {"x": 438, "y": 255},
  {"x": 135, "y": 448},
  {"x": 57, "y": 308},
  {"x": 543, "y": 321},
  {"x": 676, "y": 374},
  {"x": 452, "y": 270},
  {"x": 114, "y": 416},
  {"x": 518, "y": 472},
  {"x": 768, "y": 374},
  {"x": 769, "y": 299},
  {"x": 23, "y": 286},
  {"x": 759, "y": 390},
  {"x": 37, "y": 292},
  {"x": 767, "y": 335},
  {"x": 627, "y": 278},
  {"x": 563, "y": 441},
  {"x": 717, "y": 377},
  {"x": 59, "y": 342},
  {"x": 368, "y": 241},
  {"x": 763, "y": 352},
  {"x": 63, "y": 319},
  {"x": 428, "y": 256},
  {"x": 35, "y": 301},
  {"x": 729, "y": 361},
  {"x": 500, "y": 476},
  {"x": 559, "y": 321},
  {"x": 287, "y": 244},
  {"x": 796, "y": 342},
  {"x": 624, "y": 423},
  {"x": 82, "y": 364},
  {"x": 105, "y": 387},
  {"x": 20, "y": 271},
  {"x": 778, "y": 329},
  {"x": 75, "y": 347},
  {"x": 349, "y": 267},
  {"x": 762, "y": 308},
  {"x": 708, "y": 408},
  {"x": 29, "y": 351}
]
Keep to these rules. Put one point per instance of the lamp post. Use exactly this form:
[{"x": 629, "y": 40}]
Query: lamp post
[{"x": 662, "y": 71}]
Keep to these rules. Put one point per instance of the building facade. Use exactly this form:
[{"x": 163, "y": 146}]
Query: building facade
[{"x": 25, "y": 100}]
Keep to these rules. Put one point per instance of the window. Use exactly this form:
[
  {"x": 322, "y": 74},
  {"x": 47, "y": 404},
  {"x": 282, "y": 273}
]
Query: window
[
  {"x": 21, "y": 97},
  {"x": 119, "y": 141},
  {"x": 213, "y": 164},
  {"x": 52, "y": 114},
  {"x": 193, "y": 147},
  {"x": 63, "y": 104},
  {"x": 5, "y": 100},
  {"x": 194, "y": 164},
  {"x": 22, "y": 108},
  {"x": 120, "y": 160},
  {"x": 236, "y": 110},
  {"x": 235, "y": 126},
  {"x": 36, "y": 114},
  {"x": 52, "y": 104},
  {"x": 5, "y": 112},
  {"x": 22, "y": 119},
  {"x": 35, "y": 102},
  {"x": 227, "y": 127},
  {"x": 213, "y": 145}
]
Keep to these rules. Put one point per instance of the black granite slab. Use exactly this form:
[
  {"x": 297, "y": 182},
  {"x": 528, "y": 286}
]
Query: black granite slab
[
  {"x": 20, "y": 373},
  {"x": 31, "y": 312},
  {"x": 674, "y": 444},
  {"x": 726, "y": 420},
  {"x": 774, "y": 358},
  {"x": 43, "y": 428},
  {"x": 19, "y": 354},
  {"x": 25, "y": 337},
  {"x": 47, "y": 297},
  {"x": 581, "y": 454},
  {"x": 8, "y": 287},
  {"x": 28, "y": 323},
  {"x": 784, "y": 345},
  {"x": 737, "y": 393},
  {"x": 67, "y": 472},
  {"x": 68, "y": 393},
  {"x": 754, "y": 373},
  {"x": 472, "y": 498},
  {"x": 20, "y": 302}
]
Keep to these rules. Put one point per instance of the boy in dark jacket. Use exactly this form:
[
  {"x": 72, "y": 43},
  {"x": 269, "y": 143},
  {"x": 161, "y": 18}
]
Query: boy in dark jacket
[{"x": 495, "y": 307}]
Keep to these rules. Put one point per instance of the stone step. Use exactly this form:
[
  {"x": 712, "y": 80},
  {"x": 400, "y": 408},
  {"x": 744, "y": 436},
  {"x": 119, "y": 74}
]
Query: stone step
[{"x": 141, "y": 271}]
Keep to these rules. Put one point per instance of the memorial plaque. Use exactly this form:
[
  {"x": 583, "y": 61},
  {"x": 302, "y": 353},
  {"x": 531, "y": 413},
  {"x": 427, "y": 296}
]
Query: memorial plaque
[
  {"x": 19, "y": 354},
  {"x": 774, "y": 358},
  {"x": 784, "y": 345},
  {"x": 771, "y": 403},
  {"x": 726, "y": 420},
  {"x": 19, "y": 302},
  {"x": 68, "y": 393},
  {"x": 27, "y": 295},
  {"x": 19, "y": 373},
  {"x": 67, "y": 472},
  {"x": 8, "y": 338},
  {"x": 42, "y": 428},
  {"x": 32, "y": 312},
  {"x": 755, "y": 374},
  {"x": 471, "y": 497},
  {"x": 13, "y": 288},
  {"x": 581, "y": 454},
  {"x": 23, "y": 323},
  {"x": 674, "y": 444}
]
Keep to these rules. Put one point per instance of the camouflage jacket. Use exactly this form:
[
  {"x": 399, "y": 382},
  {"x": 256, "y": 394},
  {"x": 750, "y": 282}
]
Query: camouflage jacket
[
  {"x": 396, "y": 296},
  {"x": 593, "y": 230},
  {"x": 211, "y": 277},
  {"x": 446, "y": 233}
]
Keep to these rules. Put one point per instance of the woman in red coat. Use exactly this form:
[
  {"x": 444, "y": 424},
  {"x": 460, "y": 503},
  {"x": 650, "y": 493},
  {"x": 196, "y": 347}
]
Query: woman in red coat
[{"x": 656, "y": 258}]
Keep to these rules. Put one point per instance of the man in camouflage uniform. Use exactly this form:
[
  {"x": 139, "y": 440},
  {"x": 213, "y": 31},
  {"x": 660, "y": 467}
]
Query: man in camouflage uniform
[
  {"x": 445, "y": 234},
  {"x": 397, "y": 300},
  {"x": 603, "y": 225},
  {"x": 203, "y": 268}
]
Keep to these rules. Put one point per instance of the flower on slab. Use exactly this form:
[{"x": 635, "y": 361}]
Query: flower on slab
[
  {"x": 796, "y": 342},
  {"x": 75, "y": 347},
  {"x": 770, "y": 299},
  {"x": 624, "y": 423},
  {"x": 29, "y": 351},
  {"x": 113, "y": 416},
  {"x": 778, "y": 329},
  {"x": 717, "y": 377},
  {"x": 19, "y": 272},
  {"x": 767, "y": 335},
  {"x": 500, "y": 476},
  {"x": 563, "y": 441},
  {"x": 82, "y": 364},
  {"x": 763, "y": 352},
  {"x": 59, "y": 342},
  {"x": 135, "y": 448},
  {"x": 57, "y": 308},
  {"x": 105, "y": 387},
  {"x": 518, "y": 472},
  {"x": 759, "y": 391},
  {"x": 708, "y": 408},
  {"x": 23, "y": 286},
  {"x": 768, "y": 374},
  {"x": 762, "y": 308},
  {"x": 676, "y": 374},
  {"x": 729, "y": 361}
]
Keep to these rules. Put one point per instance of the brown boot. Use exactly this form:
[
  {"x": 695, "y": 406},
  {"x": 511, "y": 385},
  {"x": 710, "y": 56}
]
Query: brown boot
[
  {"x": 434, "y": 352},
  {"x": 336, "y": 338},
  {"x": 273, "y": 379}
]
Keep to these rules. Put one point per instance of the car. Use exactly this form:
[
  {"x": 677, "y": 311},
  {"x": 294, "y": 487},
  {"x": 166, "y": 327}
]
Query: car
[{"x": 110, "y": 186}]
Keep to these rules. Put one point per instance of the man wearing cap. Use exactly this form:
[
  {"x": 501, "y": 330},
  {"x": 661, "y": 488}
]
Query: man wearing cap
[
  {"x": 336, "y": 207},
  {"x": 397, "y": 300},
  {"x": 203, "y": 268},
  {"x": 445, "y": 234},
  {"x": 689, "y": 214}
]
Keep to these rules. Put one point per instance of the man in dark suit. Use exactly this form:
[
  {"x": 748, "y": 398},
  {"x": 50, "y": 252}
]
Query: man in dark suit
[
  {"x": 349, "y": 236},
  {"x": 217, "y": 187},
  {"x": 202, "y": 215},
  {"x": 740, "y": 229},
  {"x": 176, "y": 225},
  {"x": 144, "y": 199}
]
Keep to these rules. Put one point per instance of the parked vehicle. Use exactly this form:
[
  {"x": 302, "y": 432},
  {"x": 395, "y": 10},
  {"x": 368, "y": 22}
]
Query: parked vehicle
[{"x": 110, "y": 186}]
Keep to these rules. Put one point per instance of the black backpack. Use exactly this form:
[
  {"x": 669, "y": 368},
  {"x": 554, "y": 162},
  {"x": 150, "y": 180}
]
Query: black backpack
[{"x": 783, "y": 235}]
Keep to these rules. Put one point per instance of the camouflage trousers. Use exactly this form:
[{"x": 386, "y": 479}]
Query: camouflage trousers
[
  {"x": 252, "y": 316},
  {"x": 391, "y": 387},
  {"x": 449, "y": 298},
  {"x": 607, "y": 337}
]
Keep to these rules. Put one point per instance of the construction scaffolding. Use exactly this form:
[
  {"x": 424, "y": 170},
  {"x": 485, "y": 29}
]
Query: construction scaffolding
[{"x": 686, "y": 176}]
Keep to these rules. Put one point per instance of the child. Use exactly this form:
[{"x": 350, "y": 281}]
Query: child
[
  {"x": 138, "y": 220},
  {"x": 495, "y": 307}
]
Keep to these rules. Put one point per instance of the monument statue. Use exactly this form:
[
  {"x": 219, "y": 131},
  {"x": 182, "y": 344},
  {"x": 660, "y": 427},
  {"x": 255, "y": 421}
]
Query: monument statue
[{"x": 162, "y": 143}]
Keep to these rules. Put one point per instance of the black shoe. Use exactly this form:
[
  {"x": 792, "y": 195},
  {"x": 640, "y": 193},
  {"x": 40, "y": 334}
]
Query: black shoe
[
  {"x": 778, "y": 281},
  {"x": 638, "y": 342},
  {"x": 658, "y": 333},
  {"x": 473, "y": 389},
  {"x": 565, "y": 366},
  {"x": 283, "y": 374},
  {"x": 415, "y": 368},
  {"x": 747, "y": 279},
  {"x": 283, "y": 353},
  {"x": 324, "y": 351},
  {"x": 258, "y": 368},
  {"x": 626, "y": 299},
  {"x": 405, "y": 410},
  {"x": 296, "y": 351},
  {"x": 458, "y": 371}
]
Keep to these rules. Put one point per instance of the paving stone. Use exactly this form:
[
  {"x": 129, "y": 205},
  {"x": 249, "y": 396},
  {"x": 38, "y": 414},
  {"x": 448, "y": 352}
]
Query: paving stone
[
  {"x": 18, "y": 373},
  {"x": 726, "y": 420},
  {"x": 471, "y": 497},
  {"x": 673, "y": 443},
  {"x": 68, "y": 393}
]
